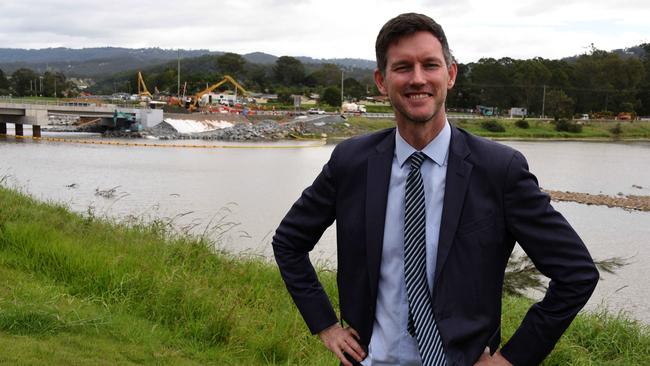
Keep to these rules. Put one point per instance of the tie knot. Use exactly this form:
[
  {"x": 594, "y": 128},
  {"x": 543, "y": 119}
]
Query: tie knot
[{"x": 416, "y": 159}]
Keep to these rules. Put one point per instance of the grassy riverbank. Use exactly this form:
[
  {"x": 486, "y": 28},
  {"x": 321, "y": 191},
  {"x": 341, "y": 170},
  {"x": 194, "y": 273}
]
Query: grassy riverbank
[
  {"x": 86, "y": 291},
  {"x": 537, "y": 129}
]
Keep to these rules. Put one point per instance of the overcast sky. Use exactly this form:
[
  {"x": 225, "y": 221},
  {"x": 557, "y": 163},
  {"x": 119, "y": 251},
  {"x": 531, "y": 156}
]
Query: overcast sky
[{"x": 326, "y": 28}]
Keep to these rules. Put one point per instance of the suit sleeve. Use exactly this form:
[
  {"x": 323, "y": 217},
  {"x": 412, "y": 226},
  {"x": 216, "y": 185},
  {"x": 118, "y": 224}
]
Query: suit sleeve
[
  {"x": 296, "y": 236},
  {"x": 557, "y": 252}
]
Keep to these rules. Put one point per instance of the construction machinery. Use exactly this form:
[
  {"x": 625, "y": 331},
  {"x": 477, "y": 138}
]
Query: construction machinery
[
  {"x": 143, "y": 92},
  {"x": 180, "y": 99},
  {"x": 625, "y": 116},
  {"x": 196, "y": 99},
  {"x": 487, "y": 111}
]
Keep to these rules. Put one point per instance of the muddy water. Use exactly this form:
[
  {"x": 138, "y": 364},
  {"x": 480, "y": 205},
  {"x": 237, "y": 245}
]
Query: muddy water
[{"x": 248, "y": 190}]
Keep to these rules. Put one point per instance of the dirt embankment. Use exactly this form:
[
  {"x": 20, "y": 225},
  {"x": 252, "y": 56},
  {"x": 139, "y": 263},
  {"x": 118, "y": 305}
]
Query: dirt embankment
[{"x": 628, "y": 202}]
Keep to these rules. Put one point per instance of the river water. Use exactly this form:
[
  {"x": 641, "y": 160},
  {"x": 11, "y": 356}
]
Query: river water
[{"x": 247, "y": 189}]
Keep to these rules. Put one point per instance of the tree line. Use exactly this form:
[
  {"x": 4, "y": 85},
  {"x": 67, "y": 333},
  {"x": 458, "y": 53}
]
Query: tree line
[
  {"x": 25, "y": 82},
  {"x": 595, "y": 82},
  {"x": 286, "y": 77}
]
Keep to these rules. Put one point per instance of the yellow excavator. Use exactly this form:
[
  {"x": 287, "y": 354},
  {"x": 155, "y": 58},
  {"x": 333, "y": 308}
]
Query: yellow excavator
[
  {"x": 194, "y": 104},
  {"x": 142, "y": 88}
]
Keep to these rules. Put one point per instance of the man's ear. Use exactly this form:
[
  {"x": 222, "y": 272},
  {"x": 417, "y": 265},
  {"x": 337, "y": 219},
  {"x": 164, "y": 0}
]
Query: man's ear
[
  {"x": 379, "y": 81},
  {"x": 453, "y": 72}
]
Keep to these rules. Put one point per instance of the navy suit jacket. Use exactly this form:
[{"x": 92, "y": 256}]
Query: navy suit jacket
[{"x": 491, "y": 201}]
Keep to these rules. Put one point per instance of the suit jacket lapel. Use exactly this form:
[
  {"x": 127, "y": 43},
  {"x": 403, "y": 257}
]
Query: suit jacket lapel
[
  {"x": 457, "y": 181},
  {"x": 377, "y": 181}
]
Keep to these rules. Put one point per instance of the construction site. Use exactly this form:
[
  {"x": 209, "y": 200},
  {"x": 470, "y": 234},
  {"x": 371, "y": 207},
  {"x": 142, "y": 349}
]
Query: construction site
[{"x": 212, "y": 113}]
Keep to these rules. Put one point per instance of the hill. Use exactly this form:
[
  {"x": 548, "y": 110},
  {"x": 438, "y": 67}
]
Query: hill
[
  {"x": 640, "y": 52},
  {"x": 104, "y": 61},
  {"x": 89, "y": 62}
]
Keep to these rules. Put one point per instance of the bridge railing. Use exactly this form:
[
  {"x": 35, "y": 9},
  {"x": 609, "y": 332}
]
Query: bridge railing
[{"x": 64, "y": 102}]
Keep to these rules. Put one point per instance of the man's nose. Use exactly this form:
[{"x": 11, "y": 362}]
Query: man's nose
[{"x": 417, "y": 77}]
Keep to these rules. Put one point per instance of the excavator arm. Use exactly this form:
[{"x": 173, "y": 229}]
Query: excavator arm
[
  {"x": 211, "y": 88},
  {"x": 142, "y": 87}
]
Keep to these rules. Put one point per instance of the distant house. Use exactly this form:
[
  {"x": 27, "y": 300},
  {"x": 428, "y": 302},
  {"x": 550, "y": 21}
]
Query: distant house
[
  {"x": 261, "y": 98},
  {"x": 378, "y": 99},
  {"x": 81, "y": 84},
  {"x": 518, "y": 112},
  {"x": 307, "y": 100}
]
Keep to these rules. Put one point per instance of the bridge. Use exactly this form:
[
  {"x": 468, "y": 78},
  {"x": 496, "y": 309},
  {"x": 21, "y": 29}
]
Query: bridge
[{"x": 36, "y": 113}]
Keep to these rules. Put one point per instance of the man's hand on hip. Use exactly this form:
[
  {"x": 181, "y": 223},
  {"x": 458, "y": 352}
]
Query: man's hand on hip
[
  {"x": 492, "y": 360},
  {"x": 340, "y": 340}
]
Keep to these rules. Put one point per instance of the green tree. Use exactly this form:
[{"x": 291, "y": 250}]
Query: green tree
[
  {"x": 54, "y": 84},
  {"x": 165, "y": 81},
  {"x": 258, "y": 76},
  {"x": 353, "y": 89},
  {"x": 289, "y": 71},
  {"x": 606, "y": 81},
  {"x": 463, "y": 94},
  {"x": 327, "y": 75},
  {"x": 492, "y": 81},
  {"x": 23, "y": 82},
  {"x": 559, "y": 105},
  {"x": 231, "y": 64},
  {"x": 332, "y": 96},
  {"x": 530, "y": 76},
  {"x": 643, "y": 95},
  {"x": 368, "y": 83},
  {"x": 561, "y": 73},
  {"x": 285, "y": 96},
  {"x": 4, "y": 83}
]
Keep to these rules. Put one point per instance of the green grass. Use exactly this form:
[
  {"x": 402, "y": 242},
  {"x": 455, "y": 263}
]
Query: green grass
[
  {"x": 538, "y": 129},
  {"x": 378, "y": 108},
  {"x": 139, "y": 291},
  {"x": 80, "y": 290},
  {"x": 546, "y": 129},
  {"x": 597, "y": 338}
]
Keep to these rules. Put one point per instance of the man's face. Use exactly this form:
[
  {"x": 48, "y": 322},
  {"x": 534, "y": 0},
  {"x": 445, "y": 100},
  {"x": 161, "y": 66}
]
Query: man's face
[{"x": 416, "y": 78}]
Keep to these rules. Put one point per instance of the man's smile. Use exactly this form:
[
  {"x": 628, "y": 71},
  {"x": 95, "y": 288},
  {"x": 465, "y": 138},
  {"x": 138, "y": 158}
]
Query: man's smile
[{"x": 418, "y": 95}]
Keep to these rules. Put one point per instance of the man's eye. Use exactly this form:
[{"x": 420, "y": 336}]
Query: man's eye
[{"x": 431, "y": 66}]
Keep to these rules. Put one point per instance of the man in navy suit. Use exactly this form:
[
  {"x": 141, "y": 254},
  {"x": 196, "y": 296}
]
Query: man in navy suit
[{"x": 479, "y": 199}]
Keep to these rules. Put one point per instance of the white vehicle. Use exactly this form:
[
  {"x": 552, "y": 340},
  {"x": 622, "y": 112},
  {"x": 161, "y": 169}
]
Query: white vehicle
[
  {"x": 354, "y": 108},
  {"x": 315, "y": 111}
]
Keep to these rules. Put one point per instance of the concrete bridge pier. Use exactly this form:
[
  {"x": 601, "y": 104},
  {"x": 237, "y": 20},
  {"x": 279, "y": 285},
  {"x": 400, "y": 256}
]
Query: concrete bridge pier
[{"x": 19, "y": 129}]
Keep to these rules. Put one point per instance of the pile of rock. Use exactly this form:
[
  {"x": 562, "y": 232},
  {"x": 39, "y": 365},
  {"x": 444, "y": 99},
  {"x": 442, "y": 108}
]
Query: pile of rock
[
  {"x": 265, "y": 130},
  {"x": 629, "y": 202},
  {"x": 62, "y": 119},
  {"x": 163, "y": 131},
  {"x": 258, "y": 131}
]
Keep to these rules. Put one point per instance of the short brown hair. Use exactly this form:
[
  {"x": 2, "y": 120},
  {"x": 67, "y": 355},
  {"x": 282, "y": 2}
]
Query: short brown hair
[{"x": 404, "y": 25}]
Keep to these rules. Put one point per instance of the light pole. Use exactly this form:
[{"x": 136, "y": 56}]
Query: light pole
[
  {"x": 543, "y": 100},
  {"x": 342, "y": 72},
  {"x": 178, "y": 74}
]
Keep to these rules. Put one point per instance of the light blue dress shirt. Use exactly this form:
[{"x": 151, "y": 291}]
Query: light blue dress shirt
[{"x": 391, "y": 344}]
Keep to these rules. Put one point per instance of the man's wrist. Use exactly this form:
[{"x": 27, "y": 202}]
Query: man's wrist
[{"x": 335, "y": 325}]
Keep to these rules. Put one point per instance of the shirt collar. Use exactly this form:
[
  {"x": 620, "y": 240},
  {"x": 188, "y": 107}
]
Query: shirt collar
[{"x": 437, "y": 150}]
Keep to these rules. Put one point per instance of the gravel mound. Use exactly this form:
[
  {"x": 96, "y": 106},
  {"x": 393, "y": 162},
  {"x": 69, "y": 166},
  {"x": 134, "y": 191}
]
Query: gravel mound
[{"x": 312, "y": 127}]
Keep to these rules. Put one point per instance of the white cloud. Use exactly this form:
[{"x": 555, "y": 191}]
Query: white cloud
[{"x": 335, "y": 28}]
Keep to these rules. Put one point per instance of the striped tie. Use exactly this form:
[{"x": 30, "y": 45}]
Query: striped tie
[{"x": 421, "y": 323}]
